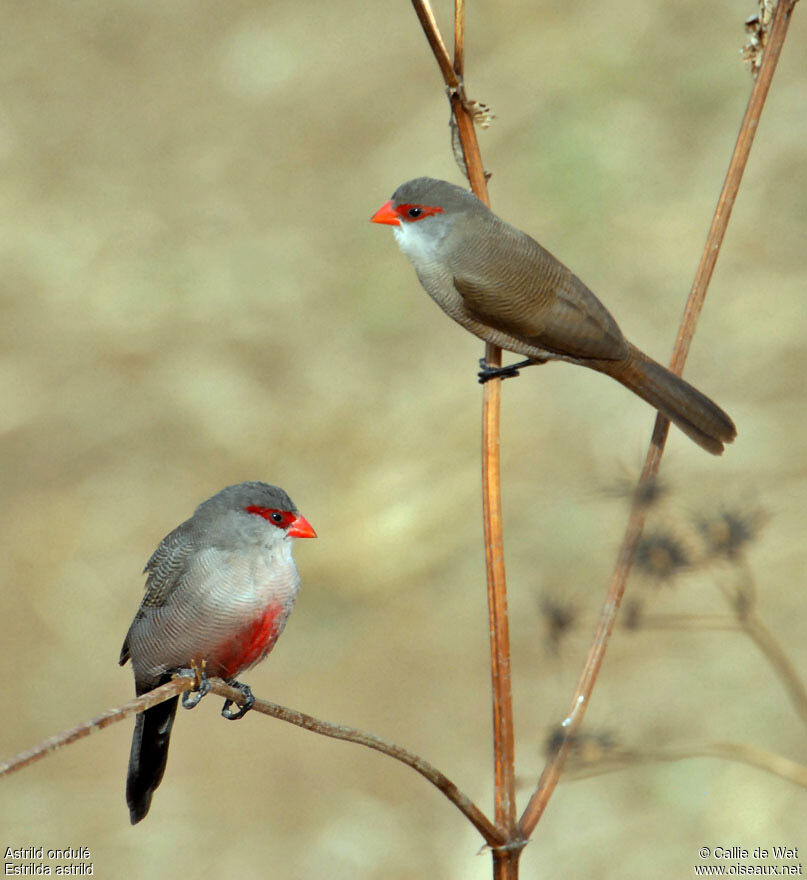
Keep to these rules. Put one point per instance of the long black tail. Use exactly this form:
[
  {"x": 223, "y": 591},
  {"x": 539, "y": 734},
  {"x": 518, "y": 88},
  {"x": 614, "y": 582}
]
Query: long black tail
[{"x": 149, "y": 753}]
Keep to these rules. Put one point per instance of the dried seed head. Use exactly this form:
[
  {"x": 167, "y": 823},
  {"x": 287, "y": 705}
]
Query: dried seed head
[
  {"x": 646, "y": 494},
  {"x": 481, "y": 114},
  {"x": 560, "y": 617},
  {"x": 757, "y": 27},
  {"x": 632, "y": 614},
  {"x": 728, "y": 532},
  {"x": 584, "y": 748},
  {"x": 661, "y": 556}
]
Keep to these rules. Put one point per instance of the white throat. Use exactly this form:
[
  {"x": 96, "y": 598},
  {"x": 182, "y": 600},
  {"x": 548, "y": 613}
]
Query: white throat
[{"x": 421, "y": 241}]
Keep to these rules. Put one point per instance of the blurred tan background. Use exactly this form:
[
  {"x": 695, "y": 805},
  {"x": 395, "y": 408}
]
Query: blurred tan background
[{"x": 192, "y": 295}]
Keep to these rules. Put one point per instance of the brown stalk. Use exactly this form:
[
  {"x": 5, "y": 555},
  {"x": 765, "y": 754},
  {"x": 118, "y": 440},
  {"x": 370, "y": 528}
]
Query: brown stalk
[
  {"x": 178, "y": 684},
  {"x": 428, "y": 22},
  {"x": 66, "y": 737},
  {"x": 689, "y": 622},
  {"x": 554, "y": 766},
  {"x": 765, "y": 640},
  {"x": 459, "y": 37},
  {"x": 505, "y": 863},
  {"x": 750, "y": 624},
  {"x": 492, "y": 835},
  {"x": 753, "y": 626},
  {"x": 770, "y": 762}
]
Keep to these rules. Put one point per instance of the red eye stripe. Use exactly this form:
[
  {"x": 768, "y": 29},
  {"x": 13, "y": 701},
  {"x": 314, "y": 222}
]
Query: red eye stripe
[
  {"x": 425, "y": 211},
  {"x": 280, "y": 518}
]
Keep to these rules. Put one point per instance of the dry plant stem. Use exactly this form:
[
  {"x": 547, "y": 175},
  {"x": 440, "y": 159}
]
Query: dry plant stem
[
  {"x": 66, "y": 737},
  {"x": 177, "y": 685},
  {"x": 689, "y": 622},
  {"x": 757, "y": 631},
  {"x": 428, "y": 22},
  {"x": 459, "y": 37},
  {"x": 725, "y": 204},
  {"x": 764, "y": 639},
  {"x": 552, "y": 770},
  {"x": 503, "y": 735},
  {"x": 505, "y": 860},
  {"x": 784, "y": 768},
  {"x": 492, "y": 835}
]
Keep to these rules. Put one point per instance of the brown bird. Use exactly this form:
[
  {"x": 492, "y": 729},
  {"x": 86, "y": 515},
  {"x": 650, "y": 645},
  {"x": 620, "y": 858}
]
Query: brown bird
[{"x": 506, "y": 289}]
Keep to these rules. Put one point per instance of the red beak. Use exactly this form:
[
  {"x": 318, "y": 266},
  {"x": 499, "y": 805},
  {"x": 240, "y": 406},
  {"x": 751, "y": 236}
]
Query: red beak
[
  {"x": 386, "y": 214},
  {"x": 301, "y": 528}
]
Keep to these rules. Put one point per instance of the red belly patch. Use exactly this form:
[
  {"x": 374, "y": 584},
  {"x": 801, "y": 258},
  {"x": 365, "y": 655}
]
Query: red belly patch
[{"x": 248, "y": 646}]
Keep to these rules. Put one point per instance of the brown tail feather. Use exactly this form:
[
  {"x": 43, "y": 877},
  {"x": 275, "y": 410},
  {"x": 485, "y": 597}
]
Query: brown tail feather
[{"x": 694, "y": 413}]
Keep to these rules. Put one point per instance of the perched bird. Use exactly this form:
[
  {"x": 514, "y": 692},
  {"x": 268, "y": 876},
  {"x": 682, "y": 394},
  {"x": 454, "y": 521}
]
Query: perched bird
[
  {"x": 218, "y": 592},
  {"x": 506, "y": 289}
]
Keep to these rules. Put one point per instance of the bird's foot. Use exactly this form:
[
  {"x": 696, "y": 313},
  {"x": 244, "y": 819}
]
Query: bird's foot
[
  {"x": 486, "y": 372},
  {"x": 201, "y": 688},
  {"x": 249, "y": 702}
]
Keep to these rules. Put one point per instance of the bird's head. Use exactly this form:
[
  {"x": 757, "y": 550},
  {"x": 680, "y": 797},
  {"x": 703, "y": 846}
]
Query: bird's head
[
  {"x": 423, "y": 211},
  {"x": 266, "y": 503}
]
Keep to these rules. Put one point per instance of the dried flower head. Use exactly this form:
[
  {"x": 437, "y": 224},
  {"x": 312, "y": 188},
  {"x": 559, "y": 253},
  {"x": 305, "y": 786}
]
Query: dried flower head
[
  {"x": 661, "y": 556},
  {"x": 482, "y": 116},
  {"x": 584, "y": 748},
  {"x": 728, "y": 532},
  {"x": 560, "y": 616},
  {"x": 647, "y": 493},
  {"x": 757, "y": 27},
  {"x": 632, "y": 613}
]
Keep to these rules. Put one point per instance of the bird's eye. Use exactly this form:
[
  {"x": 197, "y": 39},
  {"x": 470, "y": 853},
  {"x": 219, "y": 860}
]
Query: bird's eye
[
  {"x": 280, "y": 518},
  {"x": 414, "y": 212}
]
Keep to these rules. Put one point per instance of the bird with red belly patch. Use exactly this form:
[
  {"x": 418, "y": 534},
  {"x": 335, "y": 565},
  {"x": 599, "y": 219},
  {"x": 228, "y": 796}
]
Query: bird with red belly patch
[{"x": 219, "y": 590}]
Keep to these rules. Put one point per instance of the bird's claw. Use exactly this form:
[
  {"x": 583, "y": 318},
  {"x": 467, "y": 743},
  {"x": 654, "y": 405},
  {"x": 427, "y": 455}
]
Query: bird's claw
[
  {"x": 202, "y": 686},
  {"x": 249, "y": 702},
  {"x": 486, "y": 372}
]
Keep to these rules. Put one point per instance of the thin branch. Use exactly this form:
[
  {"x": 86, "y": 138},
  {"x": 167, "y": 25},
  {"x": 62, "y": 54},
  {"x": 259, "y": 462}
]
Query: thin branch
[
  {"x": 459, "y": 37},
  {"x": 765, "y": 640},
  {"x": 756, "y": 630},
  {"x": 784, "y": 768},
  {"x": 552, "y": 770},
  {"x": 752, "y": 625},
  {"x": 688, "y": 622},
  {"x": 492, "y": 835},
  {"x": 452, "y": 76},
  {"x": 503, "y": 736},
  {"x": 428, "y": 22},
  {"x": 66, "y": 737},
  {"x": 728, "y": 195},
  {"x": 742, "y": 600}
]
